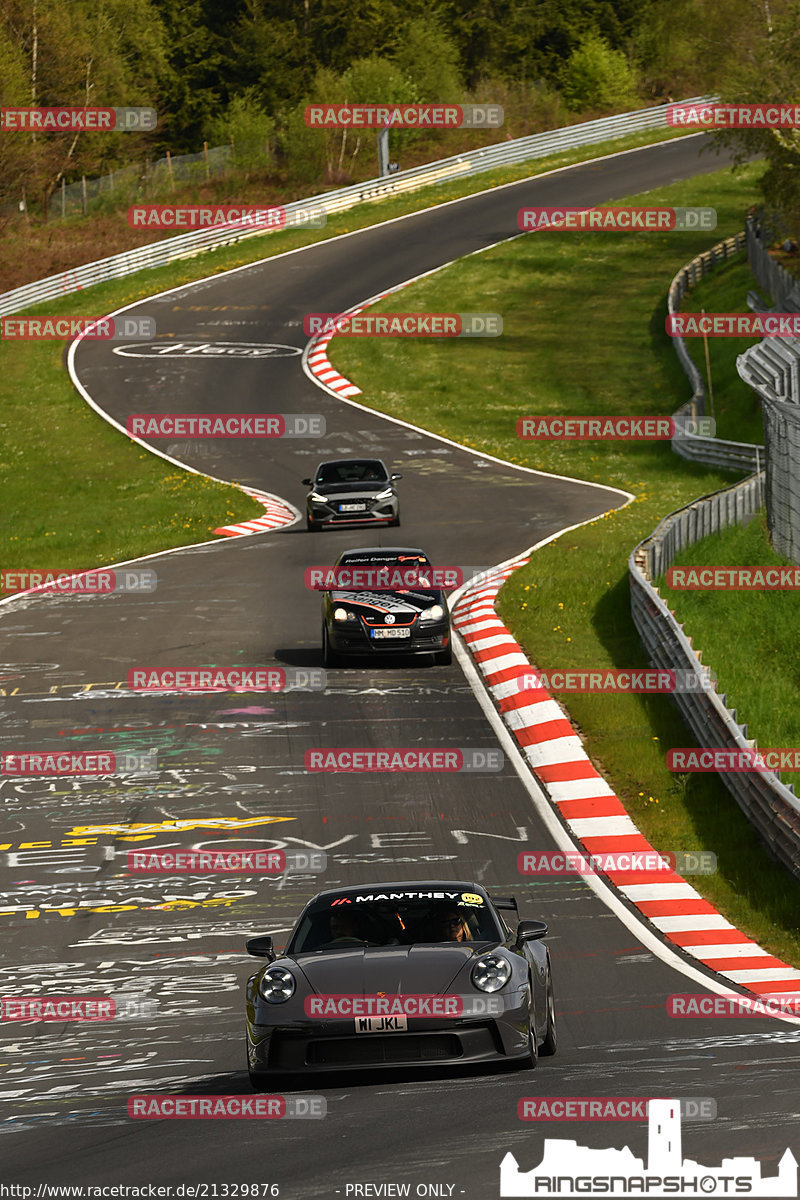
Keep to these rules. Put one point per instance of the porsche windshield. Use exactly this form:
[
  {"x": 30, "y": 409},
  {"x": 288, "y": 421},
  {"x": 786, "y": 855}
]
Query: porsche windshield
[{"x": 352, "y": 921}]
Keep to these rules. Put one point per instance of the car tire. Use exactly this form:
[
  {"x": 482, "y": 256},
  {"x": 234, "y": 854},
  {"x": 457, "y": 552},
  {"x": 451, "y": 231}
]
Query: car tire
[
  {"x": 311, "y": 526},
  {"x": 394, "y": 524},
  {"x": 550, "y": 1043},
  {"x": 531, "y": 1059},
  {"x": 329, "y": 657},
  {"x": 443, "y": 658}
]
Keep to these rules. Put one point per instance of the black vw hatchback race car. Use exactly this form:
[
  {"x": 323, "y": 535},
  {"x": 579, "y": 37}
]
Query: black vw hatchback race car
[
  {"x": 373, "y": 620},
  {"x": 400, "y": 974}
]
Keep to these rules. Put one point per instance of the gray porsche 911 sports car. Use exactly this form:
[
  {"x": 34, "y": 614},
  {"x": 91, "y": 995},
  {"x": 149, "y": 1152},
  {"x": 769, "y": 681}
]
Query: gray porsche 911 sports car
[
  {"x": 400, "y": 974},
  {"x": 352, "y": 491},
  {"x": 372, "y": 620}
]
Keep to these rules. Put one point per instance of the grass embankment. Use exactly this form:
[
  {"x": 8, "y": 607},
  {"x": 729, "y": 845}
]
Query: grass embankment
[
  {"x": 77, "y": 494},
  {"x": 584, "y": 334},
  {"x": 759, "y": 668}
]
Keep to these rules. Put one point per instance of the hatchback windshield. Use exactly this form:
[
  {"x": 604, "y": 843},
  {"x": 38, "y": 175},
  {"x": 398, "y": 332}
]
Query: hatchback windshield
[{"x": 357, "y": 471}]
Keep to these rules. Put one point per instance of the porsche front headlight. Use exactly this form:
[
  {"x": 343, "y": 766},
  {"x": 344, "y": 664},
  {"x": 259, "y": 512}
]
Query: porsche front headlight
[
  {"x": 277, "y": 985},
  {"x": 491, "y": 973}
]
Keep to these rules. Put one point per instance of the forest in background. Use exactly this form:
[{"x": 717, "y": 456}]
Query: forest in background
[{"x": 241, "y": 72}]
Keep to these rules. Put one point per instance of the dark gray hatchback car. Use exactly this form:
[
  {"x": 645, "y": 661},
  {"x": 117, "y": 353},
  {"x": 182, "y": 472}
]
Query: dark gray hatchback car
[
  {"x": 400, "y": 974},
  {"x": 352, "y": 491}
]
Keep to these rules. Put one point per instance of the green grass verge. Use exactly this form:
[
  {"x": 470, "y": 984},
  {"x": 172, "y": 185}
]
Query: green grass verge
[
  {"x": 759, "y": 669},
  {"x": 79, "y": 494},
  {"x": 735, "y": 406},
  {"x": 584, "y": 334}
]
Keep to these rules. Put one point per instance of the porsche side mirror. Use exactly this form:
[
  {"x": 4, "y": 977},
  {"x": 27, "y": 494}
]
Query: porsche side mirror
[
  {"x": 307, "y": 482},
  {"x": 530, "y": 931},
  {"x": 261, "y": 947},
  {"x": 397, "y": 476}
]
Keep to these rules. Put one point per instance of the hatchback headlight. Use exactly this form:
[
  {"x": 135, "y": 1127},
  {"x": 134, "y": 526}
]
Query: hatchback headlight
[
  {"x": 386, "y": 494},
  {"x": 277, "y": 985},
  {"x": 434, "y": 613},
  {"x": 492, "y": 973},
  {"x": 342, "y": 614},
  {"x": 317, "y": 499}
]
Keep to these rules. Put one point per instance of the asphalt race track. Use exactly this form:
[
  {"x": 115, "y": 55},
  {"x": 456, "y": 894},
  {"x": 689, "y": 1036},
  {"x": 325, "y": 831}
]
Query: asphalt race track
[{"x": 241, "y": 602}]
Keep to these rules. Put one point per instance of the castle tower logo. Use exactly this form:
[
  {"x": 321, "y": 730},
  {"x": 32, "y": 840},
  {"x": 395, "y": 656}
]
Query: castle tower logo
[{"x": 568, "y": 1169}]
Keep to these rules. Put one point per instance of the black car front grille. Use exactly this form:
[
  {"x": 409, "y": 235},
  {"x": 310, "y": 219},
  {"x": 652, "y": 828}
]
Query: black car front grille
[{"x": 369, "y": 1049}]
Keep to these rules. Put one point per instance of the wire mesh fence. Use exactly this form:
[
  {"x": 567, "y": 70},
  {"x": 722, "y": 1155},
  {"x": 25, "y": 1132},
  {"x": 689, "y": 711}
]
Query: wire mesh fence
[{"x": 772, "y": 370}]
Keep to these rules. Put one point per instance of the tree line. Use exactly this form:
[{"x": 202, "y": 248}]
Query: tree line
[{"x": 242, "y": 71}]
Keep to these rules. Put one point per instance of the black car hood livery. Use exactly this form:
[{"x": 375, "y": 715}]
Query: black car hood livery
[
  {"x": 411, "y": 603},
  {"x": 419, "y": 970}
]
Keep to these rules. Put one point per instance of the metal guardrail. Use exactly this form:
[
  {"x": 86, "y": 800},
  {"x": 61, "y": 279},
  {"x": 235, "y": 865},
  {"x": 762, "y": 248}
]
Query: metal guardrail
[
  {"x": 771, "y": 276},
  {"x": 772, "y": 370},
  {"x": 301, "y": 212},
  {"x": 770, "y": 805},
  {"x": 712, "y": 452}
]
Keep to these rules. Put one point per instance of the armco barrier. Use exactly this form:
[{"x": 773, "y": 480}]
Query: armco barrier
[
  {"x": 772, "y": 370},
  {"x": 712, "y": 452},
  {"x": 186, "y": 245},
  {"x": 770, "y": 805}
]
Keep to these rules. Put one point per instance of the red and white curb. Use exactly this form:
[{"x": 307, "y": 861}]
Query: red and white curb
[
  {"x": 277, "y": 514},
  {"x": 316, "y": 356},
  {"x": 320, "y": 366},
  {"x": 590, "y": 810}
]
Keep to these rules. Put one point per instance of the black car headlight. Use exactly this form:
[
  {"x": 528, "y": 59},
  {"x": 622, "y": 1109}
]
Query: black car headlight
[
  {"x": 277, "y": 985},
  {"x": 344, "y": 614},
  {"x": 434, "y": 613},
  {"x": 492, "y": 973},
  {"x": 315, "y": 498}
]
